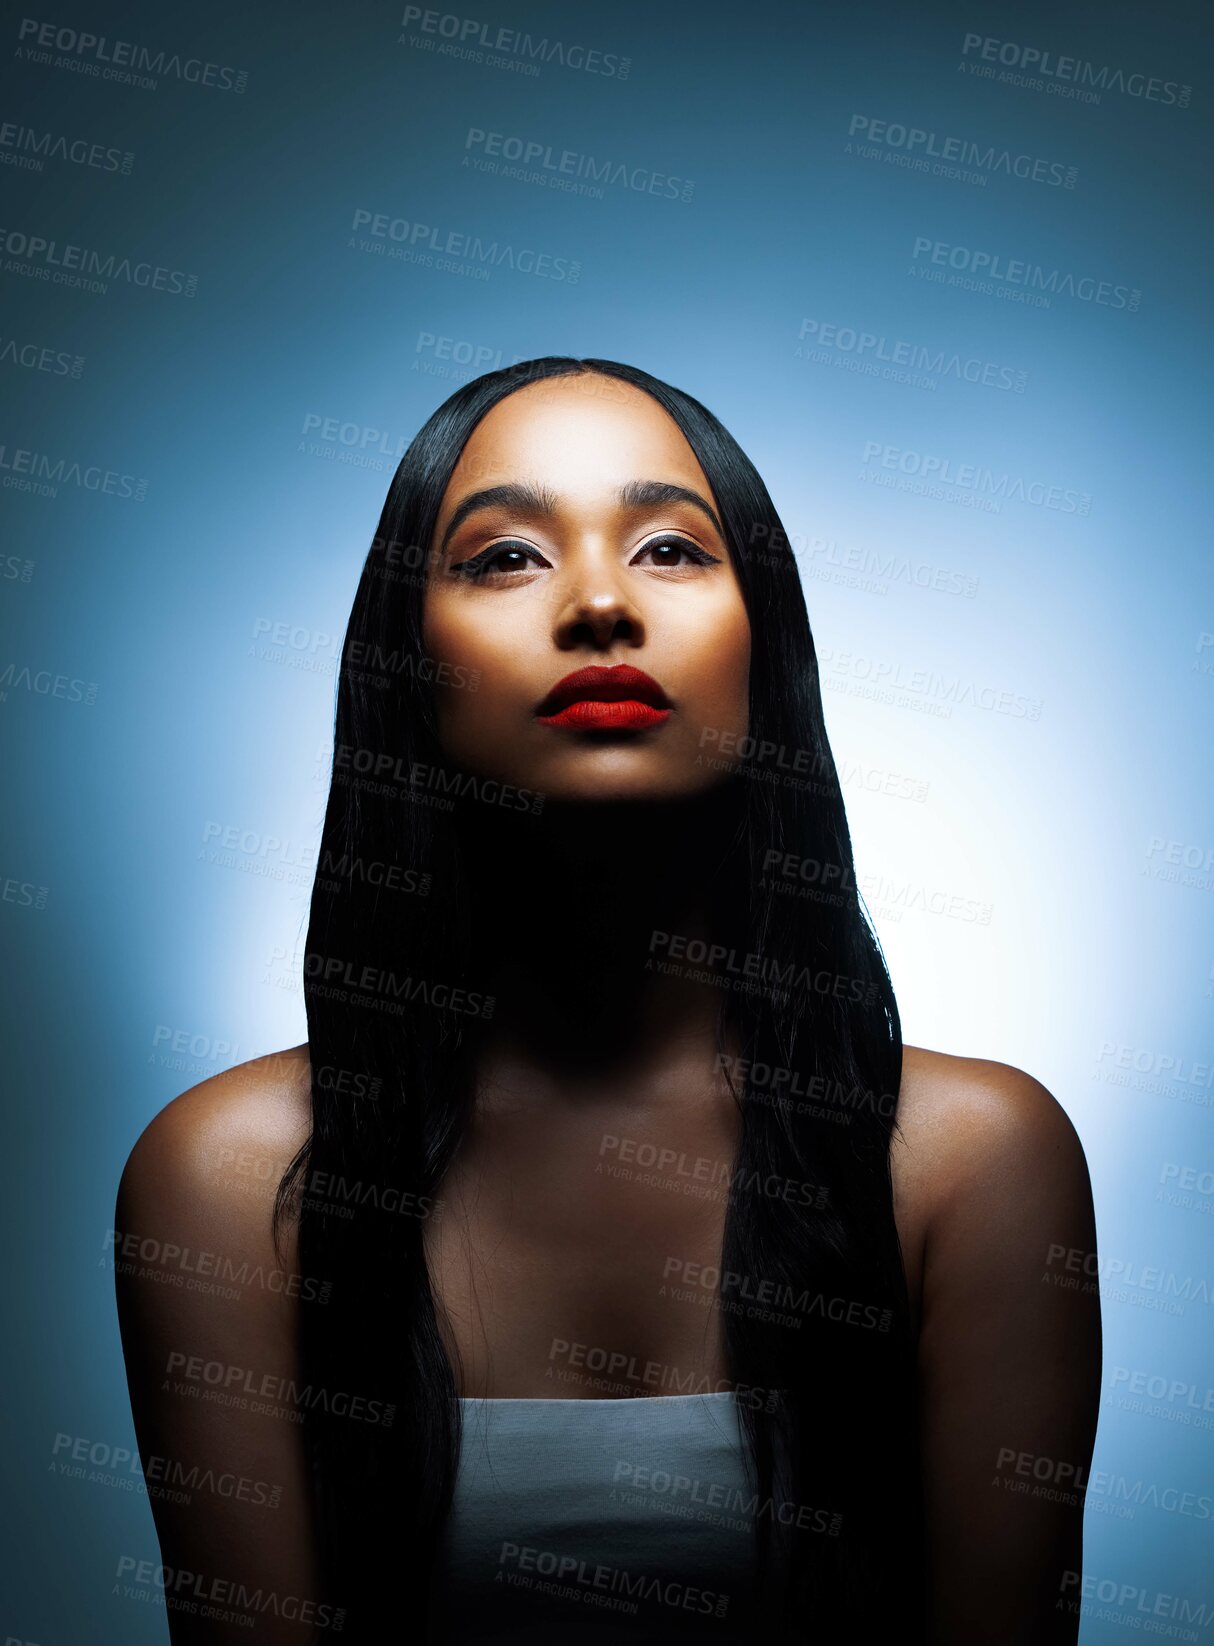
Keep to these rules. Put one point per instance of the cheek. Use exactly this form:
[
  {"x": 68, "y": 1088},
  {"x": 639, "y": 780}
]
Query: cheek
[
  {"x": 738, "y": 688},
  {"x": 449, "y": 642},
  {"x": 437, "y": 631},
  {"x": 720, "y": 672},
  {"x": 494, "y": 654},
  {"x": 740, "y": 660},
  {"x": 451, "y": 637}
]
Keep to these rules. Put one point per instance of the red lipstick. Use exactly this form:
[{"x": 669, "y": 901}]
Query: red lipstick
[{"x": 601, "y": 699}]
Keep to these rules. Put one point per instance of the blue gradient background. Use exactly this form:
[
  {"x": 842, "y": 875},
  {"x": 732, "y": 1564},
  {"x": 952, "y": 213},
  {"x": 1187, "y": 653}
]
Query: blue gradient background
[{"x": 1089, "y": 955}]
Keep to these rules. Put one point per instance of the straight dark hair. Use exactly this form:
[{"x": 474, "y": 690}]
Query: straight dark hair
[{"x": 826, "y": 1353}]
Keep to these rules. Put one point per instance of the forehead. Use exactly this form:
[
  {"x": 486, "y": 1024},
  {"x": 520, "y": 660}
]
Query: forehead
[{"x": 579, "y": 434}]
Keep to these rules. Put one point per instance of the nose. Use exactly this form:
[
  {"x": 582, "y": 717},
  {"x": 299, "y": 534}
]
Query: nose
[{"x": 596, "y": 606}]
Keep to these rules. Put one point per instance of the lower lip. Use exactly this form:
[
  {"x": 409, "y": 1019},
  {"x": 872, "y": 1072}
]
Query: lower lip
[{"x": 589, "y": 715}]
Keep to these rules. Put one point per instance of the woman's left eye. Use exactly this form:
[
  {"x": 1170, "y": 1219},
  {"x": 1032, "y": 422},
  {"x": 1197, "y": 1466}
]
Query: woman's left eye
[{"x": 661, "y": 547}]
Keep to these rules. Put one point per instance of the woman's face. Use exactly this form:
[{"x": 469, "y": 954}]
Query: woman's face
[{"x": 578, "y": 531}]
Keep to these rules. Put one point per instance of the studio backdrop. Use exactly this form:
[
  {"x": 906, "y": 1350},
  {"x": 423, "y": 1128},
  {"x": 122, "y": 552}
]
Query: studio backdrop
[{"x": 944, "y": 273}]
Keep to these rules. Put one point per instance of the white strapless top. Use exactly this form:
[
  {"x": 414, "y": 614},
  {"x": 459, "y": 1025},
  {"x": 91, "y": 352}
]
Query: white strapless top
[{"x": 598, "y": 1520}]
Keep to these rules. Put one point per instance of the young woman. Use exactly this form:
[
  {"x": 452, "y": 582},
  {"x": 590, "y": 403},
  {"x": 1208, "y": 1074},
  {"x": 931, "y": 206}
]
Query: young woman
[{"x": 605, "y": 1267}]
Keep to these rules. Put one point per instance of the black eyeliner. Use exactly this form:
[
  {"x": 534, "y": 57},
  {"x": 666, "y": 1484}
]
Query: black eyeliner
[{"x": 471, "y": 568}]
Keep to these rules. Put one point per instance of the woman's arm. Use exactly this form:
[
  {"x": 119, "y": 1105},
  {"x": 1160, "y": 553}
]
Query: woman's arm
[
  {"x": 1010, "y": 1359},
  {"x": 208, "y": 1319}
]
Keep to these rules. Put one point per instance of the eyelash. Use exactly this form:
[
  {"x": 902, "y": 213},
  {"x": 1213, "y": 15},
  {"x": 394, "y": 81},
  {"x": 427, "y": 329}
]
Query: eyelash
[{"x": 478, "y": 566}]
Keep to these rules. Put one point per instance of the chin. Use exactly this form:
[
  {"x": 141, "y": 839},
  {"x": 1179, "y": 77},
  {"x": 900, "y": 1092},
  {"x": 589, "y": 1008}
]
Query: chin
[{"x": 614, "y": 781}]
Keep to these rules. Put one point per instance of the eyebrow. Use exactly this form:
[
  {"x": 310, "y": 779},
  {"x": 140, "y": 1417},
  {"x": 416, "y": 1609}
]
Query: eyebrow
[{"x": 525, "y": 498}]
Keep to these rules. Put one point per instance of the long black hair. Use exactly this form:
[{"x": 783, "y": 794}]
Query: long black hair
[{"x": 813, "y": 1295}]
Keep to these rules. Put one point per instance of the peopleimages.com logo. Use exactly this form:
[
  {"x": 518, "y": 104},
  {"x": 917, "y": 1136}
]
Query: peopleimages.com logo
[
  {"x": 989, "y": 270},
  {"x": 128, "y": 62},
  {"x": 503, "y": 46},
  {"x": 894, "y": 138},
  {"x": 1068, "y": 76},
  {"x": 996, "y": 485},
  {"x": 425, "y": 240}
]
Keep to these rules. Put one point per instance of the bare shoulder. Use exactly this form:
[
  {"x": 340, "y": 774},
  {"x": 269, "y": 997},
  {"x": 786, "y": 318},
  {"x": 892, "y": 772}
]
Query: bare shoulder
[
  {"x": 1009, "y": 1347},
  {"x": 213, "y": 1157},
  {"x": 967, "y": 1122},
  {"x": 209, "y": 1309},
  {"x": 985, "y": 1158}
]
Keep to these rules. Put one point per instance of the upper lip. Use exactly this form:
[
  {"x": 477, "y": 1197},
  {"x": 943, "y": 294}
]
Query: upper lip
[{"x": 605, "y": 685}]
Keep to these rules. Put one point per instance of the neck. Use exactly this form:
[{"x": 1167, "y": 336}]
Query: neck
[{"x": 572, "y": 911}]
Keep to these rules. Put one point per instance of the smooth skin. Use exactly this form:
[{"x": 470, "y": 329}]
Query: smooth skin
[
  {"x": 592, "y": 580},
  {"x": 532, "y": 1242}
]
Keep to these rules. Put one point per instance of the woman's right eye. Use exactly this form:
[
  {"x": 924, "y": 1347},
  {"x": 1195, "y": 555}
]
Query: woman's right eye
[{"x": 487, "y": 561}]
